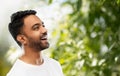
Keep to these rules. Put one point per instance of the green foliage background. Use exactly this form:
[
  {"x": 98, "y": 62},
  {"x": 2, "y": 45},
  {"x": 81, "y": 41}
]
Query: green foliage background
[
  {"x": 86, "y": 41},
  {"x": 89, "y": 38}
]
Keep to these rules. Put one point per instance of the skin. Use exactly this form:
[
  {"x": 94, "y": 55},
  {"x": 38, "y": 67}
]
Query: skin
[{"x": 33, "y": 39}]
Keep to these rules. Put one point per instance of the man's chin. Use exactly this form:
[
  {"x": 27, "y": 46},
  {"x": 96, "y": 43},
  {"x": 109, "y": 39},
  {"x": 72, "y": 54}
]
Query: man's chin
[{"x": 45, "y": 46}]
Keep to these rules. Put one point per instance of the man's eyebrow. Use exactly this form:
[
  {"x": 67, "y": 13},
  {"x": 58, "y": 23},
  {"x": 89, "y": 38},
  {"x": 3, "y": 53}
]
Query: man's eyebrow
[{"x": 36, "y": 24}]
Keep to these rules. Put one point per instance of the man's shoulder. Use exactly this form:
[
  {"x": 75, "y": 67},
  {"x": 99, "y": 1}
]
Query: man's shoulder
[
  {"x": 16, "y": 68},
  {"x": 54, "y": 65}
]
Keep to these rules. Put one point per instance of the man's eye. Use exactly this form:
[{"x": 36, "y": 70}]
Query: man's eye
[{"x": 36, "y": 27}]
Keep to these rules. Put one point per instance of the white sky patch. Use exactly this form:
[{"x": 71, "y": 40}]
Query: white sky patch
[{"x": 7, "y": 7}]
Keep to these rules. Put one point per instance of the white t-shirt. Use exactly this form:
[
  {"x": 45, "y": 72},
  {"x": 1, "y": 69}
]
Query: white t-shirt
[{"x": 50, "y": 67}]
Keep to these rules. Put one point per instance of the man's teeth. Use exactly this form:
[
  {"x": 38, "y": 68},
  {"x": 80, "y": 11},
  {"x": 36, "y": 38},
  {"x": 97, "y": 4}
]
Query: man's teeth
[{"x": 44, "y": 37}]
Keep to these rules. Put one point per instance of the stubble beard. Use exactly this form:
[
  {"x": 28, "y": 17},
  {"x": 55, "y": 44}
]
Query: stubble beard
[{"x": 38, "y": 44}]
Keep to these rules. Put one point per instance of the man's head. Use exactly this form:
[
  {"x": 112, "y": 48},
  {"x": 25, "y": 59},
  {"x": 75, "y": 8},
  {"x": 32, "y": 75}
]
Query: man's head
[{"x": 28, "y": 30}]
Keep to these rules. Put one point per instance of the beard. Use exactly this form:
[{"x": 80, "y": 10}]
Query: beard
[{"x": 38, "y": 44}]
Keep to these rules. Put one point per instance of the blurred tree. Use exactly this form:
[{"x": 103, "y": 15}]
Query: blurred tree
[
  {"x": 4, "y": 46},
  {"x": 88, "y": 39}
]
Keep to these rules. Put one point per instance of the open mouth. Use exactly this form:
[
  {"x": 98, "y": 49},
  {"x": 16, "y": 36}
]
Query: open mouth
[{"x": 44, "y": 37}]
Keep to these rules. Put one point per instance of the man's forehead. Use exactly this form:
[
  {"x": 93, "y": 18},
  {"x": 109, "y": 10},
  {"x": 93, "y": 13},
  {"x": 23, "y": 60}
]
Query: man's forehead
[{"x": 31, "y": 19}]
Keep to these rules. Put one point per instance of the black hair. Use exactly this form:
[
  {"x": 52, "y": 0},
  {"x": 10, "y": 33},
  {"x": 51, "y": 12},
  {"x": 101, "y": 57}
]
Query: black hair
[{"x": 17, "y": 22}]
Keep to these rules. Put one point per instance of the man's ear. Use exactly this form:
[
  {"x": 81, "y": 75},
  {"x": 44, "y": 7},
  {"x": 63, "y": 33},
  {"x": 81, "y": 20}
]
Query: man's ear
[{"x": 21, "y": 39}]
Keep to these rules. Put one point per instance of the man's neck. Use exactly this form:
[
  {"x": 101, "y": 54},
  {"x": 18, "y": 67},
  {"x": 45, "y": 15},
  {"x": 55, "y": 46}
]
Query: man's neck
[{"x": 32, "y": 56}]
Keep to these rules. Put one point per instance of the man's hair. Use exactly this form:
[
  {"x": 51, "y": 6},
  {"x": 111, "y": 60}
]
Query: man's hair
[{"x": 17, "y": 22}]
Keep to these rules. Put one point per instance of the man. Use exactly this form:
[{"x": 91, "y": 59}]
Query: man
[{"x": 29, "y": 32}]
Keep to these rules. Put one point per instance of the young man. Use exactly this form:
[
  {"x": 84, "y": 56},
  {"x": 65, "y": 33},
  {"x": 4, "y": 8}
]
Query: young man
[{"x": 29, "y": 32}]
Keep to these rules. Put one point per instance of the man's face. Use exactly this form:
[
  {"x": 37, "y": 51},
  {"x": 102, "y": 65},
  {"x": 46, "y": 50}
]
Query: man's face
[{"x": 35, "y": 33}]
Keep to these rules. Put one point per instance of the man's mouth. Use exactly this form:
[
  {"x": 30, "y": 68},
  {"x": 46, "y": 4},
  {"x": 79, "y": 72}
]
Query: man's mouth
[{"x": 44, "y": 37}]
